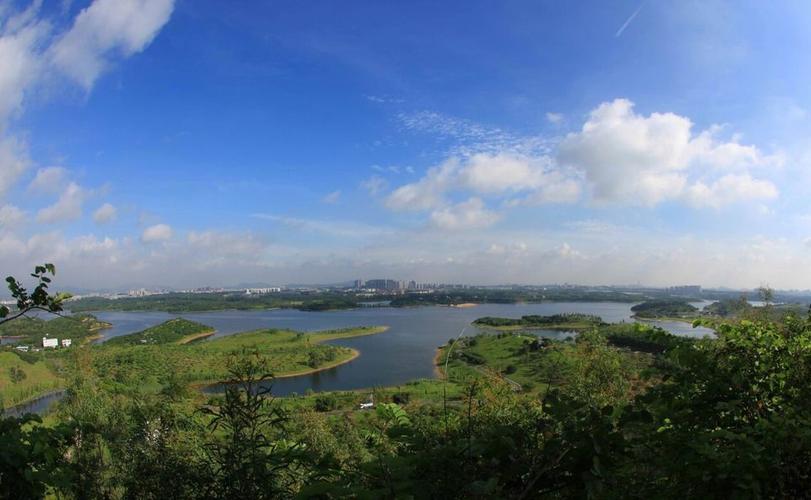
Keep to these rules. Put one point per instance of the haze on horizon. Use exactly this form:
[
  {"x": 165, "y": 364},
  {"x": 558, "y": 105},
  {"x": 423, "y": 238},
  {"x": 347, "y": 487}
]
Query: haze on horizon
[{"x": 189, "y": 143}]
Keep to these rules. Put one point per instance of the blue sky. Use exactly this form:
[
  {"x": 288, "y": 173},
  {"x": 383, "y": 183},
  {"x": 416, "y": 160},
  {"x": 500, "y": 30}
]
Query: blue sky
[{"x": 180, "y": 143}]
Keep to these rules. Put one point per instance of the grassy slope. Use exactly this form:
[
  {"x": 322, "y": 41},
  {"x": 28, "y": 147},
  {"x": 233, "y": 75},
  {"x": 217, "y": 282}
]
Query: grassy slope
[
  {"x": 39, "y": 379},
  {"x": 534, "y": 371},
  {"x": 79, "y": 326},
  {"x": 287, "y": 353},
  {"x": 174, "y": 331},
  {"x": 499, "y": 353}
]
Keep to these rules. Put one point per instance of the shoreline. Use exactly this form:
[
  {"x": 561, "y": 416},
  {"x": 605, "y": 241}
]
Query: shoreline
[
  {"x": 91, "y": 339},
  {"x": 353, "y": 355},
  {"x": 665, "y": 318},
  {"x": 438, "y": 371},
  {"x": 16, "y": 407},
  {"x": 196, "y": 336}
]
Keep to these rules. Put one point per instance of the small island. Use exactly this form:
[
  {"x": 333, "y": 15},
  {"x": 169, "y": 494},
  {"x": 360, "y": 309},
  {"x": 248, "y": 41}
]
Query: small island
[
  {"x": 675, "y": 309},
  {"x": 563, "y": 322}
]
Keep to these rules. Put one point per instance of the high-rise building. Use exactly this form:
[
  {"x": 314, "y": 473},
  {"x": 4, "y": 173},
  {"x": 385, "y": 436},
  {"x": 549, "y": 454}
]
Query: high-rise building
[{"x": 383, "y": 284}]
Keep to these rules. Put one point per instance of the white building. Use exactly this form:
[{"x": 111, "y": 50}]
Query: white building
[
  {"x": 46, "y": 342},
  {"x": 66, "y": 342}
]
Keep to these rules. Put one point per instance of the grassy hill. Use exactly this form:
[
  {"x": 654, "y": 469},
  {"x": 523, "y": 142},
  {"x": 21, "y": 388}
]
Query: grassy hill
[
  {"x": 288, "y": 353},
  {"x": 31, "y": 330},
  {"x": 174, "y": 331}
]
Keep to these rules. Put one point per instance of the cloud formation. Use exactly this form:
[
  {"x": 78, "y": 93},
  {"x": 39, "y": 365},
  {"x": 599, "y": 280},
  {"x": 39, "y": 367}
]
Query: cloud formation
[
  {"x": 105, "y": 30},
  {"x": 49, "y": 180},
  {"x": 67, "y": 208},
  {"x": 470, "y": 214},
  {"x": 633, "y": 159},
  {"x": 33, "y": 53},
  {"x": 105, "y": 214},
  {"x": 157, "y": 233}
]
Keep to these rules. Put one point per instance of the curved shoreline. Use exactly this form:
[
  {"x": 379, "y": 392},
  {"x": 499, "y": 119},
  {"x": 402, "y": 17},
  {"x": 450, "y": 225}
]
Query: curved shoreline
[
  {"x": 196, "y": 336},
  {"x": 438, "y": 372},
  {"x": 353, "y": 354},
  {"x": 30, "y": 401},
  {"x": 198, "y": 384}
]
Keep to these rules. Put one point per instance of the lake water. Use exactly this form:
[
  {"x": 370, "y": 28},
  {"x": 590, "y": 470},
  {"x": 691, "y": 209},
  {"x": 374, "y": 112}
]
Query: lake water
[
  {"x": 40, "y": 406},
  {"x": 404, "y": 352}
]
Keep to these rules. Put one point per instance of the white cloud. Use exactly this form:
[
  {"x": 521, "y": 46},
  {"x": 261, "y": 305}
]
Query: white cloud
[
  {"x": 13, "y": 162},
  {"x": 485, "y": 173},
  {"x": 428, "y": 192},
  {"x": 554, "y": 118},
  {"x": 49, "y": 180},
  {"x": 158, "y": 232},
  {"x": 634, "y": 159},
  {"x": 470, "y": 214},
  {"x": 375, "y": 185},
  {"x": 105, "y": 213},
  {"x": 20, "y": 38},
  {"x": 729, "y": 189},
  {"x": 229, "y": 249},
  {"x": 67, "y": 208},
  {"x": 523, "y": 180},
  {"x": 335, "y": 228},
  {"x": 105, "y": 29},
  {"x": 331, "y": 198},
  {"x": 553, "y": 188},
  {"x": 31, "y": 50},
  {"x": 11, "y": 217}
]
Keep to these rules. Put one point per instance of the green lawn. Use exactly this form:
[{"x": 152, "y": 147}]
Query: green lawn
[{"x": 32, "y": 379}]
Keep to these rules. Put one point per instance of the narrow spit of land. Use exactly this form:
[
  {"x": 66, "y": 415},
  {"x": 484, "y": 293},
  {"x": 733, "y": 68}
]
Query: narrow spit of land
[{"x": 144, "y": 360}]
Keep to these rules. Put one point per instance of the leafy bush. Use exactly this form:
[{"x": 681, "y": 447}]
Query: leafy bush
[{"x": 326, "y": 402}]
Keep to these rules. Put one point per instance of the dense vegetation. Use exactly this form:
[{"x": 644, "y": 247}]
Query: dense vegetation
[
  {"x": 287, "y": 352},
  {"x": 729, "y": 307},
  {"x": 193, "y": 302},
  {"x": 664, "y": 308},
  {"x": 510, "y": 296},
  {"x": 329, "y": 300},
  {"x": 622, "y": 411},
  {"x": 700, "y": 419},
  {"x": 31, "y": 330},
  {"x": 571, "y": 321},
  {"x": 174, "y": 331}
]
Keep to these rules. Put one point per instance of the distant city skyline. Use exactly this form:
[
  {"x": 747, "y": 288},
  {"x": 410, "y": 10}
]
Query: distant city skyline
[{"x": 163, "y": 143}]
